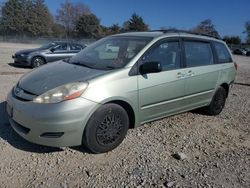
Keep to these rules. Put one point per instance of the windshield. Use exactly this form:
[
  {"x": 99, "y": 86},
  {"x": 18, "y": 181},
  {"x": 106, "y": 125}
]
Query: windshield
[
  {"x": 111, "y": 52},
  {"x": 47, "y": 46}
]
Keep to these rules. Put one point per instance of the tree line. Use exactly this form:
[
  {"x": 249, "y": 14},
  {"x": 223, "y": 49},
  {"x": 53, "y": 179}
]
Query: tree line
[
  {"x": 33, "y": 18},
  {"x": 74, "y": 20}
]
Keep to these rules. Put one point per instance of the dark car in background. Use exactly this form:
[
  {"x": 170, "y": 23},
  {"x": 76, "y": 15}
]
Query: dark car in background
[
  {"x": 240, "y": 51},
  {"x": 247, "y": 51},
  {"x": 47, "y": 53}
]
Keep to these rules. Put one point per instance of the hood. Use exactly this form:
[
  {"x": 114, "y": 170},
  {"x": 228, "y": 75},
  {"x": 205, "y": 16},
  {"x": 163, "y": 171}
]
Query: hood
[
  {"x": 28, "y": 51},
  {"x": 56, "y": 74}
]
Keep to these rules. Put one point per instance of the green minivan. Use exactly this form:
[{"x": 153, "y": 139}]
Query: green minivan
[{"x": 117, "y": 83}]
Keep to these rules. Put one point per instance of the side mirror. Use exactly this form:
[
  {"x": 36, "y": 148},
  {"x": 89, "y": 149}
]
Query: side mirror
[
  {"x": 150, "y": 67},
  {"x": 52, "y": 49}
]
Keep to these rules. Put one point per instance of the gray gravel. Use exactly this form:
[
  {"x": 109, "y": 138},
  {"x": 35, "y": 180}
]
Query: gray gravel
[{"x": 216, "y": 149}]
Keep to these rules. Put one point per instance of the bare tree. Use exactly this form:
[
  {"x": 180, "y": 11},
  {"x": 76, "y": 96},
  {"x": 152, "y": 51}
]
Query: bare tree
[
  {"x": 69, "y": 14},
  {"x": 247, "y": 31},
  {"x": 206, "y": 27}
]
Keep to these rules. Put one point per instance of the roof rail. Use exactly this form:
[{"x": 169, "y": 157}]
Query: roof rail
[{"x": 184, "y": 31}]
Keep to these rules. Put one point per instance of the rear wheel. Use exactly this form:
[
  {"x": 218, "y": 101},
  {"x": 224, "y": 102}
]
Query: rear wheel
[
  {"x": 106, "y": 128},
  {"x": 37, "y": 62},
  {"x": 218, "y": 102}
]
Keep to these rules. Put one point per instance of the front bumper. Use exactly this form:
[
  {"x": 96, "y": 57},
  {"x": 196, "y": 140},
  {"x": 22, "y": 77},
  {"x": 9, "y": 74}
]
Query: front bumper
[
  {"x": 21, "y": 60},
  {"x": 55, "y": 125}
]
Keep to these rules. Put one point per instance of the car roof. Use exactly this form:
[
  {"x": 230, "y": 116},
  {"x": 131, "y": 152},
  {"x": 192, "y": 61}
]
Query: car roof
[
  {"x": 63, "y": 42},
  {"x": 140, "y": 34},
  {"x": 160, "y": 34},
  {"x": 59, "y": 42}
]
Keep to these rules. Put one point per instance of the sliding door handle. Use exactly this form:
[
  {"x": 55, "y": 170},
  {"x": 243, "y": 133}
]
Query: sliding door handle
[{"x": 180, "y": 75}]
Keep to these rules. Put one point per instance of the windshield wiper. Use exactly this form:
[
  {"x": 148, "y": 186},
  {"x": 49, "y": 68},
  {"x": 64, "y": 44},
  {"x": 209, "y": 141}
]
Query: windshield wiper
[
  {"x": 81, "y": 64},
  {"x": 110, "y": 67}
]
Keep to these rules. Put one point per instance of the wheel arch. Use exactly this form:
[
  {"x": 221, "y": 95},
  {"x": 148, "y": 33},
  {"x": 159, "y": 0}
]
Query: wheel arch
[
  {"x": 35, "y": 56},
  {"x": 129, "y": 110},
  {"x": 226, "y": 87}
]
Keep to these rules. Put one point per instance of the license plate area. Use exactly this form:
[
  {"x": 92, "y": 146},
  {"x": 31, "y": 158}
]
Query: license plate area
[{"x": 9, "y": 110}]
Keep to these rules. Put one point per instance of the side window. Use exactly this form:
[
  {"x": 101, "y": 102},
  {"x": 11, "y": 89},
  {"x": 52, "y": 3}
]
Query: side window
[
  {"x": 198, "y": 54},
  {"x": 167, "y": 53},
  {"x": 75, "y": 47},
  {"x": 222, "y": 53},
  {"x": 61, "y": 47}
]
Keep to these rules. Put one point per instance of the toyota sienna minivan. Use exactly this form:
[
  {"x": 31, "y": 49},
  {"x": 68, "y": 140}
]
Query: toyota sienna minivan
[{"x": 93, "y": 98}]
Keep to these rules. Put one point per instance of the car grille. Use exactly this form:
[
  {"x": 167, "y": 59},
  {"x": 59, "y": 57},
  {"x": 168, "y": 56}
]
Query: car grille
[{"x": 22, "y": 94}]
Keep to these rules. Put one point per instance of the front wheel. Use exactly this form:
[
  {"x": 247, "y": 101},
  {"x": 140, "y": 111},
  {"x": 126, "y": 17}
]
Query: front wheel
[
  {"x": 37, "y": 62},
  {"x": 106, "y": 129},
  {"x": 218, "y": 102}
]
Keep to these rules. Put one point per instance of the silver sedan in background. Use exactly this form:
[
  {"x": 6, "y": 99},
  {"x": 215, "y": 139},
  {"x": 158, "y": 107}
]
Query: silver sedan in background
[{"x": 47, "y": 53}]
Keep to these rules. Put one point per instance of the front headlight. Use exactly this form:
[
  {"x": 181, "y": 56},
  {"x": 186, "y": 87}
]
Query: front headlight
[
  {"x": 62, "y": 93},
  {"x": 23, "y": 55}
]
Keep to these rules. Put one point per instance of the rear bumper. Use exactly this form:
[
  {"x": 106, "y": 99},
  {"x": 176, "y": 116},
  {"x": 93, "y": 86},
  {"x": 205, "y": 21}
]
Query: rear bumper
[{"x": 56, "y": 125}]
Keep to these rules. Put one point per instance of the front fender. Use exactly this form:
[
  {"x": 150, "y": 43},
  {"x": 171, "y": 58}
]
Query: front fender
[
  {"x": 132, "y": 104},
  {"x": 36, "y": 54}
]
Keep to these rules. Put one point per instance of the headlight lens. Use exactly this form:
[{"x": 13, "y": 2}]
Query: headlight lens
[
  {"x": 62, "y": 93},
  {"x": 23, "y": 55}
]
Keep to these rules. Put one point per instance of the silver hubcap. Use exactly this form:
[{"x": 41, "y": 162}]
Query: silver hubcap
[{"x": 38, "y": 62}]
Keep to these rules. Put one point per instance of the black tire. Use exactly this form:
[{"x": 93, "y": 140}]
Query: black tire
[
  {"x": 218, "y": 102},
  {"x": 37, "y": 62},
  {"x": 106, "y": 129}
]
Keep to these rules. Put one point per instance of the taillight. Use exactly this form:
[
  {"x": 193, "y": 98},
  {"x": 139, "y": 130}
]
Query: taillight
[{"x": 235, "y": 65}]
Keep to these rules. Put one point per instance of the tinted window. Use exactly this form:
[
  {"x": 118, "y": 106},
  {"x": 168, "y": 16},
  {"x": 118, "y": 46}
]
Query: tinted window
[
  {"x": 167, "y": 53},
  {"x": 75, "y": 47},
  {"x": 61, "y": 47},
  {"x": 47, "y": 46},
  {"x": 222, "y": 53},
  {"x": 198, "y": 54}
]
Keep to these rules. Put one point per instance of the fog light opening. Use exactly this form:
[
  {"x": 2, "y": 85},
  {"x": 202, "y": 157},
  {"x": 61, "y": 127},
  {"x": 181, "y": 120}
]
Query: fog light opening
[{"x": 52, "y": 135}]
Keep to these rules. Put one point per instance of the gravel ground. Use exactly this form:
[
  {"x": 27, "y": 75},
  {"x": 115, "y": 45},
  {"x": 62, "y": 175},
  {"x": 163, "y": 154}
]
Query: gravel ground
[{"x": 212, "y": 151}]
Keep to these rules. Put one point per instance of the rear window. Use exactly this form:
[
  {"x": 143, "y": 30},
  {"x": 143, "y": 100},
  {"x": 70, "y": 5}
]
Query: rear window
[
  {"x": 198, "y": 54},
  {"x": 222, "y": 53}
]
